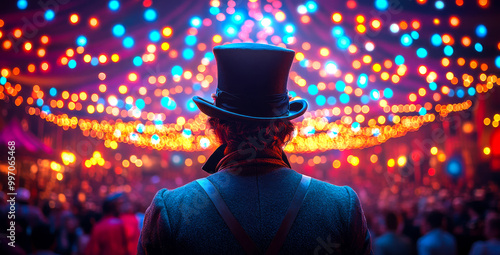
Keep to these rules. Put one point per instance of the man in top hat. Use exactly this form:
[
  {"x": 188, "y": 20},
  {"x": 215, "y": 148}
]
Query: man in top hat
[{"x": 253, "y": 202}]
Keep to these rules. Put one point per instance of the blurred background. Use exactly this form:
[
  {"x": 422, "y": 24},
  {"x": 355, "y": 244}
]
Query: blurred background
[{"x": 404, "y": 108}]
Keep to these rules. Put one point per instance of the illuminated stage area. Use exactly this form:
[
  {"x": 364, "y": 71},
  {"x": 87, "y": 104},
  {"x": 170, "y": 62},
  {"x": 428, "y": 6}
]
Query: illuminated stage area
[{"x": 403, "y": 107}]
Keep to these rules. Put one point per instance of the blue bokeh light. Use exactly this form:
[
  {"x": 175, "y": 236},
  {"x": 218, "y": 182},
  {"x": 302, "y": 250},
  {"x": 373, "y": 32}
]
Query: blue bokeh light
[
  {"x": 231, "y": 31},
  {"x": 481, "y": 30},
  {"x": 49, "y": 15},
  {"x": 340, "y": 86},
  {"x": 433, "y": 86},
  {"x": 362, "y": 80},
  {"x": 454, "y": 167},
  {"x": 365, "y": 99},
  {"x": 471, "y": 91},
  {"x": 72, "y": 64},
  {"x": 22, "y": 4},
  {"x": 118, "y": 30},
  {"x": 374, "y": 94},
  {"x": 190, "y": 40},
  {"x": 140, "y": 103},
  {"x": 478, "y": 47},
  {"x": 128, "y": 42},
  {"x": 331, "y": 100},
  {"x": 343, "y": 42},
  {"x": 422, "y": 111},
  {"x": 311, "y": 6},
  {"x": 150, "y": 15},
  {"x": 187, "y": 53},
  {"x": 439, "y": 5},
  {"x": 195, "y": 22},
  {"x": 344, "y": 98},
  {"x": 237, "y": 18},
  {"x": 406, "y": 40},
  {"x": 337, "y": 31},
  {"x": 137, "y": 61},
  {"x": 53, "y": 92},
  {"x": 214, "y": 10},
  {"x": 320, "y": 100},
  {"x": 497, "y": 61},
  {"x": 312, "y": 89},
  {"x": 114, "y": 5},
  {"x": 81, "y": 41},
  {"x": 415, "y": 35},
  {"x": 191, "y": 106},
  {"x": 448, "y": 50},
  {"x": 436, "y": 40},
  {"x": 399, "y": 60},
  {"x": 381, "y": 5},
  {"x": 421, "y": 53},
  {"x": 177, "y": 70},
  {"x": 388, "y": 93},
  {"x": 154, "y": 36}
]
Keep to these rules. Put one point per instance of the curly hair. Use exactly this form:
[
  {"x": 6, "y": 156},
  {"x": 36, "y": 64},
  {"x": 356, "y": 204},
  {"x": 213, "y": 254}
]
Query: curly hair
[{"x": 257, "y": 135}]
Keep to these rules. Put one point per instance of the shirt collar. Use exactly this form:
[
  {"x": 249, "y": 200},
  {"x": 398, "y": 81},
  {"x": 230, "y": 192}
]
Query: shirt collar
[{"x": 218, "y": 160}]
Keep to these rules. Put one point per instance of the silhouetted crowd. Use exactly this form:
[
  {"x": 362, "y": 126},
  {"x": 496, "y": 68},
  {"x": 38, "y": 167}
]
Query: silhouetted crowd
[{"x": 415, "y": 220}]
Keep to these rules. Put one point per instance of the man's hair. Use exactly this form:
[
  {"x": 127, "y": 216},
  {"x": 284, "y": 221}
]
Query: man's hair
[
  {"x": 391, "y": 221},
  {"x": 42, "y": 237},
  {"x": 252, "y": 134},
  {"x": 435, "y": 219}
]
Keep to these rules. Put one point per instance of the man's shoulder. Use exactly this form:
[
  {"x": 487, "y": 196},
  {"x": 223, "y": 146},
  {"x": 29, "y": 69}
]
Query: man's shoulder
[{"x": 331, "y": 191}]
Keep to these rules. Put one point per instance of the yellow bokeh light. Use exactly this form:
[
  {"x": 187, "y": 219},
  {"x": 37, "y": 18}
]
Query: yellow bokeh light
[
  {"x": 280, "y": 16},
  {"x": 73, "y": 18},
  {"x": 337, "y": 17},
  {"x": 486, "y": 150},
  {"x": 167, "y": 31},
  {"x": 391, "y": 163},
  {"x": 324, "y": 52},
  {"x": 217, "y": 39},
  {"x": 434, "y": 150},
  {"x": 165, "y": 46},
  {"x": 122, "y": 89},
  {"x": 132, "y": 77},
  {"x": 402, "y": 161},
  {"x": 115, "y": 57}
]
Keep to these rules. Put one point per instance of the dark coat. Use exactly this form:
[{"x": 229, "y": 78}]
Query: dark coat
[{"x": 185, "y": 221}]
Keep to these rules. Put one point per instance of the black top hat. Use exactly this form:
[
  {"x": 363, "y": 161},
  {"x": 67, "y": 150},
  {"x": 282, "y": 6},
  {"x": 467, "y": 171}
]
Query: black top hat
[{"x": 252, "y": 81}]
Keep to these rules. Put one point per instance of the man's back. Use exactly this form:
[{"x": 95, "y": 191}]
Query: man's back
[
  {"x": 392, "y": 244},
  {"x": 108, "y": 237},
  {"x": 184, "y": 220},
  {"x": 437, "y": 242}
]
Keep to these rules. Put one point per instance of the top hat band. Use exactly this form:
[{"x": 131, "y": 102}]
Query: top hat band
[{"x": 274, "y": 105}]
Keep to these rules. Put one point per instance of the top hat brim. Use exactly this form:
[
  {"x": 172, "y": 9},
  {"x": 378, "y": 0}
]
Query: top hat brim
[{"x": 297, "y": 108}]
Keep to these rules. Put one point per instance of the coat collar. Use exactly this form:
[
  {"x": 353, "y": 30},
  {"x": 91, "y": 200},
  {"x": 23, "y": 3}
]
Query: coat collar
[{"x": 218, "y": 160}]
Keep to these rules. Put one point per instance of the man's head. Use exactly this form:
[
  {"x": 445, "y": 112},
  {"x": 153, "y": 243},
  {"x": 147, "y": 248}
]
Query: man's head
[
  {"x": 434, "y": 219},
  {"x": 42, "y": 237},
  {"x": 391, "y": 221},
  {"x": 252, "y": 84},
  {"x": 257, "y": 135},
  {"x": 492, "y": 225}
]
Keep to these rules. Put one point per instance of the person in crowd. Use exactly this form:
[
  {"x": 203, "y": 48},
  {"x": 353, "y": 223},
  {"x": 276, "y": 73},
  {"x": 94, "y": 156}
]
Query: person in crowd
[
  {"x": 108, "y": 235},
  {"x": 27, "y": 216},
  {"x": 87, "y": 221},
  {"x": 43, "y": 240},
  {"x": 492, "y": 232},
  {"x": 392, "y": 243},
  {"x": 254, "y": 202},
  {"x": 436, "y": 241},
  {"x": 131, "y": 224}
]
